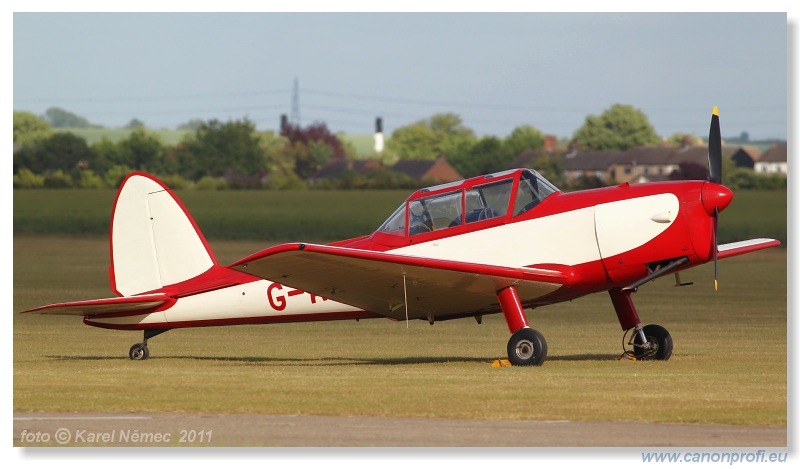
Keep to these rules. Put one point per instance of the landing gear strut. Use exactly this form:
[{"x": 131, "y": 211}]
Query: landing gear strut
[
  {"x": 140, "y": 351},
  {"x": 650, "y": 342},
  {"x": 527, "y": 346}
]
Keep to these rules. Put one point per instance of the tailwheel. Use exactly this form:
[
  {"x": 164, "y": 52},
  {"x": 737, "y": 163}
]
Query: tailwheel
[
  {"x": 652, "y": 342},
  {"x": 139, "y": 352},
  {"x": 527, "y": 347}
]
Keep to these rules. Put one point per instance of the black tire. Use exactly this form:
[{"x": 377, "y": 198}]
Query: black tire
[
  {"x": 527, "y": 347},
  {"x": 659, "y": 340},
  {"x": 139, "y": 352}
]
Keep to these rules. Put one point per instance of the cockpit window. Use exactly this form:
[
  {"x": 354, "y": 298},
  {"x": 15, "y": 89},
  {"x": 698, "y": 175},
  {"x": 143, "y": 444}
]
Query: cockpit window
[
  {"x": 395, "y": 224},
  {"x": 533, "y": 188},
  {"x": 488, "y": 200},
  {"x": 484, "y": 201},
  {"x": 434, "y": 213}
]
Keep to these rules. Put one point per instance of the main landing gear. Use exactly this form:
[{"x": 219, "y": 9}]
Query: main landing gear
[
  {"x": 140, "y": 351},
  {"x": 527, "y": 346},
  {"x": 650, "y": 342}
]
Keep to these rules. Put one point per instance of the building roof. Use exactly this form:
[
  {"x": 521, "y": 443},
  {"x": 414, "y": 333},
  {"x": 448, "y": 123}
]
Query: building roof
[
  {"x": 416, "y": 169},
  {"x": 590, "y": 160},
  {"x": 775, "y": 154},
  {"x": 438, "y": 170}
]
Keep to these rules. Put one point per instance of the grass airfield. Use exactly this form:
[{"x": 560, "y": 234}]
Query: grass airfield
[{"x": 729, "y": 364}]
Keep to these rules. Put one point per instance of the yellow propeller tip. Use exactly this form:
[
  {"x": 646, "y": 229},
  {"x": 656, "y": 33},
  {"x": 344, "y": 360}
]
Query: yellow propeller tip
[
  {"x": 716, "y": 285},
  {"x": 715, "y": 111}
]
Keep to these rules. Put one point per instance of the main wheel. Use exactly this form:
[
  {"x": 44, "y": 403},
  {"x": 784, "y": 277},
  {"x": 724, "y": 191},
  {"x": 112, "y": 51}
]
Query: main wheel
[
  {"x": 527, "y": 347},
  {"x": 658, "y": 345},
  {"x": 139, "y": 352}
]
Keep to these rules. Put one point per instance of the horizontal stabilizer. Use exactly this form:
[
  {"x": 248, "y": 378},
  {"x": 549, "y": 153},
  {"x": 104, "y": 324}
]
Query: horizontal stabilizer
[
  {"x": 104, "y": 306},
  {"x": 743, "y": 247}
]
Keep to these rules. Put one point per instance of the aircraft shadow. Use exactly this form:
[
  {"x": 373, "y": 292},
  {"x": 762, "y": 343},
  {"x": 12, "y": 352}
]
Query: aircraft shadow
[{"x": 335, "y": 361}]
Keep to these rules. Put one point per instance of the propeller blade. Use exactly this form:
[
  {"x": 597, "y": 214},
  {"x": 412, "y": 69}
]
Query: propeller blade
[
  {"x": 716, "y": 248},
  {"x": 715, "y": 149}
]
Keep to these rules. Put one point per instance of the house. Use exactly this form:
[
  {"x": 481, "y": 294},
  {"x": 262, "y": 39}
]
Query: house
[
  {"x": 655, "y": 163},
  {"x": 590, "y": 164},
  {"x": 647, "y": 163},
  {"x": 436, "y": 171},
  {"x": 746, "y": 157},
  {"x": 773, "y": 161},
  {"x": 638, "y": 164}
]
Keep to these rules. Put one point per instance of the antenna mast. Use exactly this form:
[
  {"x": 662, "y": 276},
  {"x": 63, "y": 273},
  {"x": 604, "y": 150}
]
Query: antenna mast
[{"x": 296, "y": 104}]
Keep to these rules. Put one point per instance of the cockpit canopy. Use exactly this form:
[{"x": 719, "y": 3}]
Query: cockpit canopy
[{"x": 468, "y": 201}]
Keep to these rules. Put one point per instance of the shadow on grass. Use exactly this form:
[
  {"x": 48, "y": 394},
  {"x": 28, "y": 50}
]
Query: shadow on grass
[{"x": 336, "y": 361}]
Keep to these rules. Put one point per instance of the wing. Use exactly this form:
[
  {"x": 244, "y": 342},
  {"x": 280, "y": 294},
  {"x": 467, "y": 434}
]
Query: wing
[
  {"x": 743, "y": 247},
  {"x": 105, "y": 306},
  {"x": 384, "y": 283}
]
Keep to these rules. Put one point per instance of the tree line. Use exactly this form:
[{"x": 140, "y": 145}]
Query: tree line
[{"x": 234, "y": 154}]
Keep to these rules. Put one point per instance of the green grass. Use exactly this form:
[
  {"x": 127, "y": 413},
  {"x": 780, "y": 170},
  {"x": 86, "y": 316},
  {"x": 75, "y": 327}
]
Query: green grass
[
  {"x": 315, "y": 216},
  {"x": 729, "y": 363},
  {"x": 94, "y": 135},
  {"x": 291, "y": 215},
  {"x": 363, "y": 144}
]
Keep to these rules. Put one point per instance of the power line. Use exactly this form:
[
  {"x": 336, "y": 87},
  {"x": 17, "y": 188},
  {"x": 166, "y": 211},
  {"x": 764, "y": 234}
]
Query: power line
[{"x": 97, "y": 99}]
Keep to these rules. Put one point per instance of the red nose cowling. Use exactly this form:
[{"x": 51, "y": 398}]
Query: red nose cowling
[{"x": 715, "y": 196}]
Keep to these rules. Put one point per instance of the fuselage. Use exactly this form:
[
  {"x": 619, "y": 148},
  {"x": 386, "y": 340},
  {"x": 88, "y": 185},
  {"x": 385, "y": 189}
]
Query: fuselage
[{"x": 608, "y": 237}]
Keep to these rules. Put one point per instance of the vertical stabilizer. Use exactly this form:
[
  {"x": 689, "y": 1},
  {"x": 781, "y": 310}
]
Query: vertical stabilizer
[{"x": 154, "y": 240}]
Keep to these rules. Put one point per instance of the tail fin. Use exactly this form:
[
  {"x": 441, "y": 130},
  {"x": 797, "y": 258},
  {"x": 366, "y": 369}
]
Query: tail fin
[{"x": 154, "y": 240}]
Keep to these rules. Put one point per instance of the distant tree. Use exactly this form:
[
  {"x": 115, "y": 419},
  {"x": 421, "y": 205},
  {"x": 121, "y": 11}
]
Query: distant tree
[
  {"x": 483, "y": 157},
  {"x": 442, "y": 134},
  {"x": 59, "y": 118},
  {"x": 58, "y": 180},
  {"x": 62, "y": 151},
  {"x": 280, "y": 162},
  {"x": 316, "y": 132},
  {"x": 741, "y": 179},
  {"x": 107, "y": 154},
  {"x": 134, "y": 124},
  {"x": 522, "y": 138},
  {"x": 88, "y": 179},
  {"x": 218, "y": 149},
  {"x": 618, "y": 128},
  {"x": 415, "y": 141},
  {"x": 30, "y": 128},
  {"x": 141, "y": 151},
  {"x": 683, "y": 140},
  {"x": 312, "y": 147},
  {"x": 27, "y": 179},
  {"x": 115, "y": 174},
  {"x": 192, "y": 124}
]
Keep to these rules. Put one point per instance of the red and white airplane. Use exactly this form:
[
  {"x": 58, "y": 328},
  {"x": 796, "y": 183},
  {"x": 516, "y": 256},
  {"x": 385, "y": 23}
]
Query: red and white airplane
[{"x": 502, "y": 242}]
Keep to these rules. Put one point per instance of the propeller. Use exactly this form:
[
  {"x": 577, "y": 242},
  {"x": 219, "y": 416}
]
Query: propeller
[{"x": 715, "y": 176}]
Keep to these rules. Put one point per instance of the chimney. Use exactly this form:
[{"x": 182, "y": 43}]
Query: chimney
[
  {"x": 284, "y": 122},
  {"x": 378, "y": 135},
  {"x": 550, "y": 143}
]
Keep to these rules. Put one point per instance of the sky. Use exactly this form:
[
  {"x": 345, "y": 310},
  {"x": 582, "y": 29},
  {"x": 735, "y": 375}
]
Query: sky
[{"x": 496, "y": 71}]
